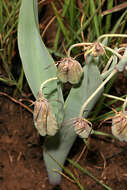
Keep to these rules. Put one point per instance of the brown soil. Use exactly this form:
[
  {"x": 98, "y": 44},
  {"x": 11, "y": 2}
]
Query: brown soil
[{"x": 21, "y": 162}]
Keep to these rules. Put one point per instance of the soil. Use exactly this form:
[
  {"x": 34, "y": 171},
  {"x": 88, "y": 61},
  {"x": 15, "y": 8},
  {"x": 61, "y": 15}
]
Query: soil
[{"x": 21, "y": 162}]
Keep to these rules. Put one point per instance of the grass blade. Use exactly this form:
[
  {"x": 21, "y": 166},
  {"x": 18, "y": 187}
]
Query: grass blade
[
  {"x": 89, "y": 174},
  {"x": 95, "y": 18},
  {"x": 72, "y": 13},
  {"x": 66, "y": 170},
  {"x": 65, "y": 8},
  {"x": 88, "y": 21},
  {"x": 1, "y": 18},
  {"x": 108, "y": 17},
  {"x": 118, "y": 22},
  {"x": 62, "y": 26}
]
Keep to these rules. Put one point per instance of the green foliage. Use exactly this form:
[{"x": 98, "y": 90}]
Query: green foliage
[
  {"x": 60, "y": 145},
  {"x": 93, "y": 24},
  {"x": 8, "y": 19},
  {"x": 34, "y": 55},
  {"x": 89, "y": 174},
  {"x": 83, "y": 96}
]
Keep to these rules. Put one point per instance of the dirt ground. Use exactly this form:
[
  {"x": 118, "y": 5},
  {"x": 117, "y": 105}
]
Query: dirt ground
[{"x": 21, "y": 162}]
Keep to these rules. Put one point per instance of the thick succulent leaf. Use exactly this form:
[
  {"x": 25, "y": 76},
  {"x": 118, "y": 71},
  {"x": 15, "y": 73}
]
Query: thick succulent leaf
[
  {"x": 37, "y": 63},
  {"x": 59, "y": 146}
]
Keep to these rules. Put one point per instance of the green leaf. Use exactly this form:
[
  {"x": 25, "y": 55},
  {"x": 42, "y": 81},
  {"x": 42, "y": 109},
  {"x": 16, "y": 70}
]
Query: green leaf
[
  {"x": 37, "y": 63},
  {"x": 60, "y": 145},
  {"x": 35, "y": 57}
]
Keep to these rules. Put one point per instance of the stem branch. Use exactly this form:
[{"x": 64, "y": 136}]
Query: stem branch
[
  {"x": 111, "y": 35},
  {"x": 45, "y": 82},
  {"x": 77, "y": 45},
  {"x": 96, "y": 91}
]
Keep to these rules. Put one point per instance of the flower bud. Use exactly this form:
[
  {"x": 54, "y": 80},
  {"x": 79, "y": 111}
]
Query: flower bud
[
  {"x": 44, "y": 119},
  {"x": 69, "y": 70},
  {"x": 98, "y": 50},
  {"x": 119, "y": 126},
  {"x": 83, "y": 127}
]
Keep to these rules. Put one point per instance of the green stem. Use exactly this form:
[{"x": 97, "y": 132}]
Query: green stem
[
  {"x": 124, "y": 105},
  {"x": 96, "y": 91},
  {"x": 101, "y": 133},
  {"x": 113, "y": 51},
  {"x": 89, "y": 44},
  {"x": 114, "y": 97},
  {"x": 77, "y": 45},
  {"x": 111, "y": 35},
  {"x": 45, "y": 82}
]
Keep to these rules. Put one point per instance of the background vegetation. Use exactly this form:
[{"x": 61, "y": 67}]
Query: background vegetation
[{"x": 71, "y": 22}]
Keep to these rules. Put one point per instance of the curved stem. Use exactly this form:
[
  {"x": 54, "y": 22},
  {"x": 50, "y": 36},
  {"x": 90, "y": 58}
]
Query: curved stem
[
  {"x": 89, "y": 51},
  {"x": 113, "y": 51},
  {"x": 77, "y": 45},
  {"x": 45, "y": 82},
  {"x": 124, "y": 105},
  {"x": 111, "y": 35},
  {"x": 96, "y": 91}
]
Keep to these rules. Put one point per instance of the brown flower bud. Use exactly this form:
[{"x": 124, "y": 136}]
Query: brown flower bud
[
  {"x": 44, "y": 119},
  {"x": 119, "y": 126},
  {"x": 69, "y": 70},
  {"x": 98, "y": 50},
  {"x": 83, "y": 127}
]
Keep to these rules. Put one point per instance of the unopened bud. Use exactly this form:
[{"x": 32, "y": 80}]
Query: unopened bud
[
  {"x": 98, "y": 50},
  {"x": 69, "y": 70},
  {"x": 119, "y": 126},
  {"x": 83, "y": 127},
  {"x": 44, "y": 119}
]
